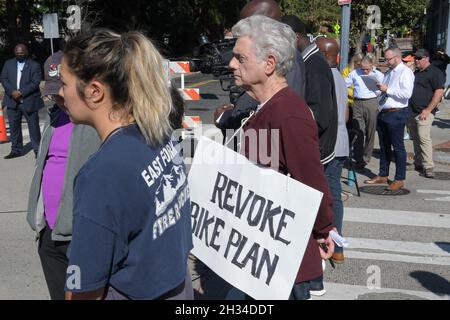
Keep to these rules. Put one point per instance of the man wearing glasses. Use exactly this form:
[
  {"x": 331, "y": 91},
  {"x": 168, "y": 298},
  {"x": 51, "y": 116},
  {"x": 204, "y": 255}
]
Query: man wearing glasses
[
  {"x": 396, "y": 90},
  {"x": 428, "y": 91}
]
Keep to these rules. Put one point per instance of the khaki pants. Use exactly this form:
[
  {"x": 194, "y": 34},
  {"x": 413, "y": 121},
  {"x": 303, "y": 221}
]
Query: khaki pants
[
  {"x": 420, "y": 132},
  {"x": 365, "y": 113}
]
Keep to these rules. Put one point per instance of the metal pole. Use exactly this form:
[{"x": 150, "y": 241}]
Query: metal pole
[
  {"x": 448, "y": 44},
  {"x": 345, "y": 37},
  {"x": 51, "y": 43}
]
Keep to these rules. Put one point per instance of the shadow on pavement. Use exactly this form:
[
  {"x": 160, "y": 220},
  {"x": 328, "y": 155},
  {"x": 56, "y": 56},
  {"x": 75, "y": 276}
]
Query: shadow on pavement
[
  {"x": 432, "y": 282},
  {"x": 445, "y": 246},
  {"x": 442, "y": 124}
]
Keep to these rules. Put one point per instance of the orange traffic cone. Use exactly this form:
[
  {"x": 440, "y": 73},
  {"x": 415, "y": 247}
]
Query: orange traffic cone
[{"x": 3, "y": 135}]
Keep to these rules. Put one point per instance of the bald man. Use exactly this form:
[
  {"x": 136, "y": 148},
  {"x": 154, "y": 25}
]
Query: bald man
[
  {"x": 229, "y": 117},
  {"x": 20, "y": 78},
  {"x": 365, "y": 109},
  {"x": 330, "y": 50},
  {"x": 268, "y": 8}
]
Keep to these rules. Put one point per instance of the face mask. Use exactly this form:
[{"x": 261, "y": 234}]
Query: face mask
[{"x": 21, "y": 58}]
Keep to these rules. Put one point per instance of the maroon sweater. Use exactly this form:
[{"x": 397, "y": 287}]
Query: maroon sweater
[{"x": 299, "y": 156}]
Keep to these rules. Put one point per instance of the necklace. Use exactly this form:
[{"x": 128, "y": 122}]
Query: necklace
[{"x": 115, "y": 131}]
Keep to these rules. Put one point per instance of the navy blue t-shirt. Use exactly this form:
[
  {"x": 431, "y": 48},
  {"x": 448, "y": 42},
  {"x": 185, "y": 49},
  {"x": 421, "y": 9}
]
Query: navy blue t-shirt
[{"x": 131, "y": 225}]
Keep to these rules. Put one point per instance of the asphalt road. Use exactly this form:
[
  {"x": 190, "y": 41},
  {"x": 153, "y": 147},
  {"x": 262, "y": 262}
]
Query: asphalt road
[{"x": 399, "y": 245}]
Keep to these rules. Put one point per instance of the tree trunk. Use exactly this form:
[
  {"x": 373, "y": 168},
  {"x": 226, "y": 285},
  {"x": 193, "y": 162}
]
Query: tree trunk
[
  {"x": 24, "y": 21},
  {"x": 12, "y": 27}
]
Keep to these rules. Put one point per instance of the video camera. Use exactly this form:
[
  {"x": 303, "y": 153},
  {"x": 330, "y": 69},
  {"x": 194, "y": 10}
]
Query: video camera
[{"x": 213, "y": 58}]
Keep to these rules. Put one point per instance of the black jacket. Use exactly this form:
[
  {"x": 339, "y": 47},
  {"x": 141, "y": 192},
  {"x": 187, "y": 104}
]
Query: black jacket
[{"x": 320, "y": 95}]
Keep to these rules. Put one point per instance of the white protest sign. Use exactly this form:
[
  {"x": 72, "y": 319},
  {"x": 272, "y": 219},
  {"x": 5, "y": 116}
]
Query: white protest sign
[
  {"x": 51, "y": 26},
  {"x": 250, "y": 225}
]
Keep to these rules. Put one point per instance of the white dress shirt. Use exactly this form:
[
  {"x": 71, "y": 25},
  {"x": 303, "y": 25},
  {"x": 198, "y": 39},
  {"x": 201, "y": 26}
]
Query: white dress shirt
[
  {"x": 20, "y": 66},
  {"x": 400, "y": 83},
  {"x": 361, "y": 91}
]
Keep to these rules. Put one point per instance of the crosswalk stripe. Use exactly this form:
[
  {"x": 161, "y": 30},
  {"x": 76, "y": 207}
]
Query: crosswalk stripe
[
  {"x": 417, "y": 253},
  {"x": 337, "y": 291},
  {"x": 394, "y": 217},
  {"x": 400, "y": 246},
  {"x": 445, "y": 199},
  {"x": 434, "y": 192},
  {"x": 437, "y": 261}
]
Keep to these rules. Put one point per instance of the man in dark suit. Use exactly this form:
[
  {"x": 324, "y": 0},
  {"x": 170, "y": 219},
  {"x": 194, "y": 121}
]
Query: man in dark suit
[{"x": 20, "y": 78}]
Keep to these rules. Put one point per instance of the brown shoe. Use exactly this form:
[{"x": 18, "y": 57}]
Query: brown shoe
[
  {"x": 338, "y": 257},
  {"x": 377, "y": 180},
  {"x": 395, "y": 186}
]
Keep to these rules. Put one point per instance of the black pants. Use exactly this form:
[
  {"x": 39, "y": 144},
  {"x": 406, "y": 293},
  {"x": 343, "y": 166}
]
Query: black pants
[
  {"x": 54, "y": 263},
  {"x": 15, "y": 127}
]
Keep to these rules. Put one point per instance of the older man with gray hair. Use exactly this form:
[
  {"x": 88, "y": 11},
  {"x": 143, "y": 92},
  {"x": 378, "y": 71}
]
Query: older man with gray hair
[{"x": 263, "y": 55}]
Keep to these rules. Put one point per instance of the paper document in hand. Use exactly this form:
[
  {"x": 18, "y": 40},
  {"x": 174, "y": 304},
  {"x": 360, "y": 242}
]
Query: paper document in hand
[
  {"x": 338, "y": 239},
  {"x": 370, "y": 81}
]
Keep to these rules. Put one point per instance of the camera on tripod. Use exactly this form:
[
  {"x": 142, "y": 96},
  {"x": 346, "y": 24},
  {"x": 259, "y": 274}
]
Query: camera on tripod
[{"x": 213, "y": 57}]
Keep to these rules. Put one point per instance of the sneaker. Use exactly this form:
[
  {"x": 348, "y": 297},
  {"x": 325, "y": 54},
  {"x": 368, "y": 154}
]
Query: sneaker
[{"x": 428, "y": 173}]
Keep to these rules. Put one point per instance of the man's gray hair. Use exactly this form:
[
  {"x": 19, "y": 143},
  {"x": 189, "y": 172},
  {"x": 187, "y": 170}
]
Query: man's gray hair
[
  {"x": 270, "y": 37},
  {"x": 368, "y": 58}
]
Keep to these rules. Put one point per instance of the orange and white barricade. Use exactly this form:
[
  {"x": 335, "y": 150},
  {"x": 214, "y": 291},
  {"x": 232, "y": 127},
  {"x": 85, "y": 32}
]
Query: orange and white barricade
[
  {"x": 181, "y": 68},
  {"x": 191, "y": 124}
]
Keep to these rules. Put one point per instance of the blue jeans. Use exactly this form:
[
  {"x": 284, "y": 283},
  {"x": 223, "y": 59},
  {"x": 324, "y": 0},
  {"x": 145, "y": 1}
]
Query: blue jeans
[
  {"x": 333, "y": 172},
  {"x": 391, "y": 127}
]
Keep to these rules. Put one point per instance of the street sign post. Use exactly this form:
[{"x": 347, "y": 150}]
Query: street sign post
[{"x": 345, "y": 32}]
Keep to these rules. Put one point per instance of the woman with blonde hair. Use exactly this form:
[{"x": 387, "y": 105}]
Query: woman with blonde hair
[{"x": 131, "y": 229}]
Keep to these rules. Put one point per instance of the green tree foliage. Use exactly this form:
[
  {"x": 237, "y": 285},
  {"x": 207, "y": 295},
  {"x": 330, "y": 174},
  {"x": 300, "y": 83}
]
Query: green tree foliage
[
  {"x": 316, "y": 14},
  {"x": 180, "y": 22},
  {"x": 398, "y": 16}
]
